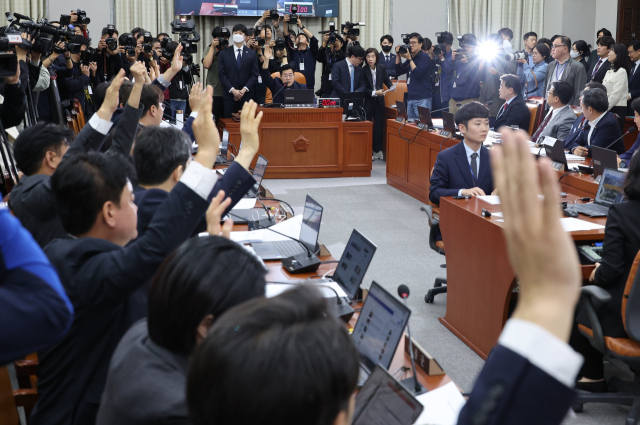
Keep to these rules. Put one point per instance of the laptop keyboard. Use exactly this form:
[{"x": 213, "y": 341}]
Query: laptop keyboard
[
  {"x": 288, "y": 248},
  {"x": 591, "y": 209}
]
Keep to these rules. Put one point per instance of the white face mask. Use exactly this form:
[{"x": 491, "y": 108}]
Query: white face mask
[
  {"x": 506, "y": 46},
  {"x": 574, "y": 54},
  {"x": 238, "y": 38}
]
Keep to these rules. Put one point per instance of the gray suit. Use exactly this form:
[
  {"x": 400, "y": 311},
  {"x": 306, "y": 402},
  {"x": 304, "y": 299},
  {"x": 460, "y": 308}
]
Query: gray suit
[
  {"x": 560, "y": 124},
  {"x": 574, "y": 74}
]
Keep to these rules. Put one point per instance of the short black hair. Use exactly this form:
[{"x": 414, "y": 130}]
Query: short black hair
[
  {"x": 150, "y": 96},
  {"x": 158, "y": 152},
  {"x": 155, "y": 40},
  {"x": 564, "y": 90},
  {"x": 105, "y": 31},
  {"x": 632, "y": 181},
  {"x": 447, "y": 37},
  {"x": 426, "y": 44},
  {"x": 357, "y": 51},
  {"x": 125, "y": 91},
  {"x": 372, "y": 50},
  {"x": 512, "y": 82},
  {"x": 183, "y": 293},
  {"x": 543, "y": 49},
  {"x": 545, "y": 41},
  {"x": 239, "y": 27},
  {"x": 418, "y": 36},
  {"x": 122, "y": 39},
  {"x": 566, "y": 41},
  {"x": 605, "y": 32},
  {"x": 606, "y": 41},
  {"x": 595, "y": 85},
  {"x": 99, "y": 93},
  {"x": 251, "y": 31},
  {"x": 507, "y": 32},
  {"x": 82, "y": 185},
  {"x": 582, "y": 46},
  {"x": 286, "y": 67},
  {"x": 296, "y": 361},
  {"x": 136, "y": 30},
  {"x": 635, "y": 105},
  {"x": 529, "y": 34},
  {"x": 635, "y": 45},
  {"x": 386, "y": 37},
  {"x": 32, "y": 144},
  {"x": 163, "y": 33},
  {"x": 470, "y": 111},
  {"x": 596, "y": 99}
]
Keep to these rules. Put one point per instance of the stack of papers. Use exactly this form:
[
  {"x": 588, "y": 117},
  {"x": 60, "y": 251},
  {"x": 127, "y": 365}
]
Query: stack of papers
[
  {"x": 245, "y": 204},
  {"x": 393, "y": 88},
  {"x": 289, "y": 227},
  {"x": 441, "y": 406},
  {"x": 571, "y": 224},
  {"x": 490, "y": 199}
]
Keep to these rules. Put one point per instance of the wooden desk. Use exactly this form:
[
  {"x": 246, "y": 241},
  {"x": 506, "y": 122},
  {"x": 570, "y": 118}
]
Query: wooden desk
[
  {"x": 311, "y": 143},
  {"x": 579, "y": 184},
  {"x": 479, "y": 276}
]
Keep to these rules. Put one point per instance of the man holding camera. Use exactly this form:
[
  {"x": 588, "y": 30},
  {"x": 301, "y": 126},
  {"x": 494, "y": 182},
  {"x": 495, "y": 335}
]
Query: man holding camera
[
  {"x": 419, "y": 69},
  {"x": 328, "y": 55},
  {"x": 303, "y": 57},
  {"x": 275, "y": 21},
  {"x": 210, "y": 61},
  {"x": 82, "y": 77},
  {"x": 106, "y": 57},
  {"x": 466, "y": 85},
  {"x": 445, "y": 77}
]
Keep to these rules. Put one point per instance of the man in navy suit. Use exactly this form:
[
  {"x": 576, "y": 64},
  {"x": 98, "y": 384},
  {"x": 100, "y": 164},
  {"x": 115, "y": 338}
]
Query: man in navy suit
[
  {"x": 528, "y": 378},
  {"x": 599, "y": 68},
  {"x": 514, "y": 111},
  {"x": 634, "y": 75},
  {"x": 387, "y": 57},
  {"x": 581, "y": 121},
  {"x": 238, "y": 72},
  {"x": 602, "y": 128},
  {"x": 347, "y": 74},
  {"x": 464, "y": 169},
  {"x": 278, "y": 85}
]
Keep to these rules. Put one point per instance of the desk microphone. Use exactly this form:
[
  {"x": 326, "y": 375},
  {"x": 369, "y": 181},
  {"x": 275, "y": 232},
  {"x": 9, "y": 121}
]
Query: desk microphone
[
  {"x": 403, "y": 292},
  {"x": 631, "y": 130},
  {"x": 442, "y": 109},
  {"x": 276, "y": 105},
  {"x": 265, "y": 210},
  {"x": 300, "y": 263}
]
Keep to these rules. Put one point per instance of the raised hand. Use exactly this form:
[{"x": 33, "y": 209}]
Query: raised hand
[
  {"x": 138, "y": 70},
  {"x": 214, "y": 216},
  {"x": 197, "y": 96},
  {"x": 206, "y": 133},
  {"x": 249, "y": 125},
  {"x": 110, "y": 103}
]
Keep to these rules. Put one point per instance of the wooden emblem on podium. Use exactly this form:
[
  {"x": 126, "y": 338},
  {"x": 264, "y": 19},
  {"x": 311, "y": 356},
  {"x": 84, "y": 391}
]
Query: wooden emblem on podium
[{"x": 301, "y": 144}]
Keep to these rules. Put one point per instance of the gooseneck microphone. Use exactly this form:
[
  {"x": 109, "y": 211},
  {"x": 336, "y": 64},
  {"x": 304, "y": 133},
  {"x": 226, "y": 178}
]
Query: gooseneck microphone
[
  {"x": 631, "y": 130},
  {"x": 275, "y": 105},
  {"x": 442, "y": 109},
  {"x": 403, "y": 292}
]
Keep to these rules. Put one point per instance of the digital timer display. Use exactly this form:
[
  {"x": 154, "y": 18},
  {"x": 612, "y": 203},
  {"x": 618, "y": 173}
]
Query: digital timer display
[{"x": 329, "y": 102}]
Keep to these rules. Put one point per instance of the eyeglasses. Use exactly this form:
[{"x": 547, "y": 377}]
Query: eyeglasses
[
  {"x": 413, "y": 42},
  {"x": 554, "y": 46},
  {"x": 534, "y": 53}
]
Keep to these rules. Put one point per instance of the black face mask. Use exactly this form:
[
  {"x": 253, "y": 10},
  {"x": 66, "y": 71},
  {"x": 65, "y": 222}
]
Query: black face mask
[{"x": 386, "y": 49}]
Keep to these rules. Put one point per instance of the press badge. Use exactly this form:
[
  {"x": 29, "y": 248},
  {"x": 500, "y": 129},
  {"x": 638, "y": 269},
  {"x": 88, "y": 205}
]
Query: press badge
[
  {"x": 301, "y": 66},
  {"x": 260, "y": 79},
  {"x": 408, "y": 80},
  {"x": 89, "y": 90},
  {"x": 329, "y": 77},
  {"x": 180, "y": 85}
]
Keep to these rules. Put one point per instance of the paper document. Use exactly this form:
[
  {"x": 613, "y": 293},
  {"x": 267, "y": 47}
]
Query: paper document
[
  {"x": 571, "y": 224},
  {"x": 393, "y": 88},
  {"x": 441, "y": 406},
  {"x": 496, "y": 214},
  {"x": 572, "y": 157},
  {"x": 247, "y": 236},
  {"x": 490, "y": 199},
  {"x": 289, "y": 227},
  {"x": 245, "y": 204},
  {"x": 274, "y": 289}
]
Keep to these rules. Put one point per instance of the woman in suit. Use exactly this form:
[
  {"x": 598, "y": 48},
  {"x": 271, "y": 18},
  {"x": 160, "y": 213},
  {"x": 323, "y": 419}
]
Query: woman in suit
[
  {"x": 579, "y": 51},
  {"x": 375, "y": 76},
  {"x": 616, "y": 80},
  {"x": 621, "y": 244},
  {"x": 532, "y": 77}
]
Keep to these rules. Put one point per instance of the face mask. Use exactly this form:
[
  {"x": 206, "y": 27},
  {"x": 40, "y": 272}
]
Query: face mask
[
  {"x": 238, "y": 38},
  {"x": 507, "y": 46},
  {"x": 574, "y": 54},
  {"x": 386, "y": 49}
]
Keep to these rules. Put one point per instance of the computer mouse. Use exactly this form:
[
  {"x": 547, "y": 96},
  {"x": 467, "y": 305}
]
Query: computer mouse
[{"x": 570, "y": 213}]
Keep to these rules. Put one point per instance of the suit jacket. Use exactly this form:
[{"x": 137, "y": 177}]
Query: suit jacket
[
  {"x": 634, "y": 88},
  {"x": 341, "y": 79},
  {"x": 511, "y": 390},
  {"x": 276, "y": 85},
  {"x": 390, "y": 65},
  {"x": 601, "y": 71},
  {"x": 560, "y": 125},
  {"x": 381, "y": 78},
  {"x": 452, "y": 173},
  {"x": 574, "y": 74},
  {"x": 233, "y": 77},
  {"x": 516, "y": 113},
  {"x": 574, "y": 132},
  {"x": 607, "y": 130},
  {"x": 99, "y": 277}
]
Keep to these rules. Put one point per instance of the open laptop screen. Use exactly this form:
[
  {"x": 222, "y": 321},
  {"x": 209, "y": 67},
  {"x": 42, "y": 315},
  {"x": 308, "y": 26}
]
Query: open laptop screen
[
  {"x": 354, "y": 263},
  {"x": 258, "y": 171},
  {"x": 311, "y": 223},
  {"x": 380, "y": 327},
  {"x": 449, "y": 122},
  {"x": 611, "y": 187}
]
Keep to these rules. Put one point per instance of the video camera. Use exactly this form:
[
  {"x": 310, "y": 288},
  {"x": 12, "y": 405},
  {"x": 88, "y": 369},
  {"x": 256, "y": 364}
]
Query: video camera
[
  {"x": 8, "y": 57},
  {"x": 43, "y": 35},
  {"x": 111, "y": 41},
  {"x": 405, "y": 48},
  {"x": 189, "y": 38},
  {"x": 351, "y": 28},
  {"x": 331, "y": 32}
]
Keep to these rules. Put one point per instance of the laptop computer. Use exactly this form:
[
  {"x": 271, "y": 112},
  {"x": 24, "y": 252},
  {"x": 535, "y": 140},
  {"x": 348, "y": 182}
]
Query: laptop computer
[
  {"x": 258, "y": 175},
  {"x": 299, "y": 97},
  {"x": 383, "y": 400},
  {"x": 401, "y": 107},
  {"x": 609, "y": 192},
  {"x": 448, "y": 124},
  {"x": 603, "y": 158},
  {"x": 378, "y": 330},
  {"x": 556, "y": 154},
  {"x": 425, "y": 116},
  {"x": 309, "y": 231},
  {"x": 353, "y": 104},
  {"x": 224, "y": 148}
]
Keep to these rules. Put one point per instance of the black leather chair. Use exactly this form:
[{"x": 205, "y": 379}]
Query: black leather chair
[
  {"x": 625, "y": 349},
  {"x": 440, "y": 285}
]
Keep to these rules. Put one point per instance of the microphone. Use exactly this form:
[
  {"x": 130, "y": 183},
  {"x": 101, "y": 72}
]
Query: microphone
[
  {"x": 442, "y": 109},
  {"x": 631, "y": 130},
  {"x": 300, "y": 263},
  {"x": 48, "y": 30},
  {"x": 588, "y": 169},
  {"x": 340, "y": 309},
  {"x": 403, "y": 292},
  {"x": 278, "y": 105},
  {"x": 265, "y": 210}
]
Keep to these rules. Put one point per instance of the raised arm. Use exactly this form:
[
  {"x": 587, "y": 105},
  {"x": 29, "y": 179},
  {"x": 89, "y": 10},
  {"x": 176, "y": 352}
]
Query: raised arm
[{"x": 127, "y": 128}]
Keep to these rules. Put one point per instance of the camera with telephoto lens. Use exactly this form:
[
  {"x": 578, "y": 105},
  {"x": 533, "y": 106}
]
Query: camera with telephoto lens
[
  {"x": 61, "y": 50},
  {"x": 8, "y": 57},
  {"x": 273, "y": 14},
  {"x": 294, "y": 13},
  {"x": 350, "y": 26},
  {"x": 331, "y": 32},
  {"x": 130, "y": 44},
  {"x": 86, "y": 56},
  {"x": 222, "y": 35},
  {"x": 65, "y": 20},
  {"x": 437, "y": 50},
  {"x": 111, "y": 41},
  {"x": 444, "y": 37},
  {"x": 511, "y": 57},
  {"x": 146, "y": 43},
  {"x": 74, "y": 48},
  {"x": 82, "y": 17},
  {"x": 279, "y": 44},
  {"x": 259, "y": 41},
  {"x": 405, "y": 48}
]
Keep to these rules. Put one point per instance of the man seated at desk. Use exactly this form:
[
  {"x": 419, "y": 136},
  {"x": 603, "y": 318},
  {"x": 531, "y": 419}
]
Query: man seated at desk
[
  {"x": 560, "y": 118},
  {"x": 602, "y": 128},
  {"x": 581, "y": 121},
  {"x": 287, "y": 80},
  {"x": 514, "y": 112},
  {"x": 625, "y": 158},
  {"x": 464, "y": 169}
]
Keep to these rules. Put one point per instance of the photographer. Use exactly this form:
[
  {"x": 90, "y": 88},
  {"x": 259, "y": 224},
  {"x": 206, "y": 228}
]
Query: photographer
[
  {"x": 13, "y": 108},
  {"x": 447, "y": 68},
  {"x": 302, "y": 57},
  {"x": 108, "y": 61},
  {"x": 262, "y": 22},
  {"x": 419, "y": 69},
  {"x": 59, "y": 64},
  {"x": 178, "y": 89},
  {"x": 278, "y": 85},
  {"x": 80, "y": 15},
  {"x": 328, "y": 55},
  {"x": 532, "y": 77},
  {"x": 466, "y": 85},
  {"x": 210, "y": 62},
  {"x": 492, "y": 67},
  {"x": 82, "y": 76}
]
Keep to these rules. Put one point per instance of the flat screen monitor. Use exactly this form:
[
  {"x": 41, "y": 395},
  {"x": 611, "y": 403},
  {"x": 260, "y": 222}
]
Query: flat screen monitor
[{"x": 308, "y": 8}]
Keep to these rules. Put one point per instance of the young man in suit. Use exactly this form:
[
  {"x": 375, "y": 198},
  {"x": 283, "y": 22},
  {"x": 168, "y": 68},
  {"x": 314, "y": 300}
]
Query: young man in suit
[
  {"x": 419, "y": 69},
  {"x": 375, "y": 76},
  {"x": 278, "y": 85},
  {"x": 560, "y": 118},
  {"x": 565, "y": 68},
  {"x": 602, "y": 128},
  {"x": 387, "y": 57},
  {"x": 347, "y": 74},
  {"x": 238, "y": 72},
  {"x": 598, "y": 69},
  {"x": 465, "y": 169},
  {"x": 527, "y": 379},
  {"x": 634, "y": 75},
  {"x": 514, "y": 111}
]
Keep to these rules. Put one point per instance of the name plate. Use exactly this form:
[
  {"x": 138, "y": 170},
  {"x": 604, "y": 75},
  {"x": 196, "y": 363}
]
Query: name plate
[
  {"x": 558, "y": 166},
  {"x": 400, "y": 120},
  {"x": 422, "y": 126},
  {"x": 424, "y": 360}
]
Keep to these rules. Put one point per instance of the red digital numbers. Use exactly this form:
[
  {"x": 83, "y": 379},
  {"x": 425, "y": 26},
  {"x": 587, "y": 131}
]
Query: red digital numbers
[{"x": 328, "y": 102}]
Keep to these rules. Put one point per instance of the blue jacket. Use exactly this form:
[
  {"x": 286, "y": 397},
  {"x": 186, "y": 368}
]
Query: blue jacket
[
  {"x": 526, "y": 75},
  {"x": 276, "y": 85},
  {"x": 452, "y": 173},
  {"x": 341, "y": 79},
  {"x": 308, "y": 57},
  {"x": 607, "y": 130},
  {"x": 36, "y": 311},
  {"x": 446, "y": 79},
  {"x": 391, "y": 65},
  {"x": 628, "y": 154},
  {"x": 466, "y": 84},
  {"x": 419, "y": 86}
]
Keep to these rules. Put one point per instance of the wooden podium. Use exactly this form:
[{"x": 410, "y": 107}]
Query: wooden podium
[{"x": 310, "y": 143}]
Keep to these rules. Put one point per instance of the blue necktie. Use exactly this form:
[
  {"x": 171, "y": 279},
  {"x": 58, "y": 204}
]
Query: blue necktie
[
  {"x": 239, "y": 58},
  {"x": 353, "y": 71}
]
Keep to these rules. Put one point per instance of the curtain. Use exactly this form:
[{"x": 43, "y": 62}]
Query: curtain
[
  {"x": 32, "y": 8},
  {"x": 374, "y": 13},
  {"x": 484, "y": 17}
]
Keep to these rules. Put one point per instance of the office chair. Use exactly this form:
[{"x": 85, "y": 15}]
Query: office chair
[
  {"x": 625, "y": 349},
  {"x": 434, "y": 225}
]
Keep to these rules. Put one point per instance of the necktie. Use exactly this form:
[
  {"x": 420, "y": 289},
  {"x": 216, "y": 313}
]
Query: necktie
[
  {"x": 474, "y": 166},
  {"x": 239, "y": 58},
  {"x": 595, "y": 71},
  {"x": 387, "y": 61},
  {"x": 351, "y": 71},
  {"x": 538, "y": 132},
  {"x": 503, "y": 109}
]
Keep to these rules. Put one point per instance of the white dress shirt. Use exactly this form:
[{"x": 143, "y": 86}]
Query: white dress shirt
[
  {"x": 601, "y": 62},
  {"x": 237, "y": 49},
  {"x": 593, "y": 125},
  {"x": 470, "y": 152},
  {"x": 373, "y": 77}
]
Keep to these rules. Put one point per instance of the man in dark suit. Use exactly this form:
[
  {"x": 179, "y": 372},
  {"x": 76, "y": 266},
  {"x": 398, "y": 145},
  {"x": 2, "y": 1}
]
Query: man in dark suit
[
  {"x": 634, "y": 75},
  {"x": 528, "y": 378},
  {"x": 514, "y": 111},
  {"x": 581, "y": 121},
  {"x": 40, "y": 149},
  {"x": 602, "y": 127},
  {"x": 347, "y": 74},
  {"x": 387, "y": 57},
  {"x": 464, "y": 169},
  {"x": 278, "y": 85},
  {"x": 238, "y": 72},
  {"x": 598, "y": 69}
]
